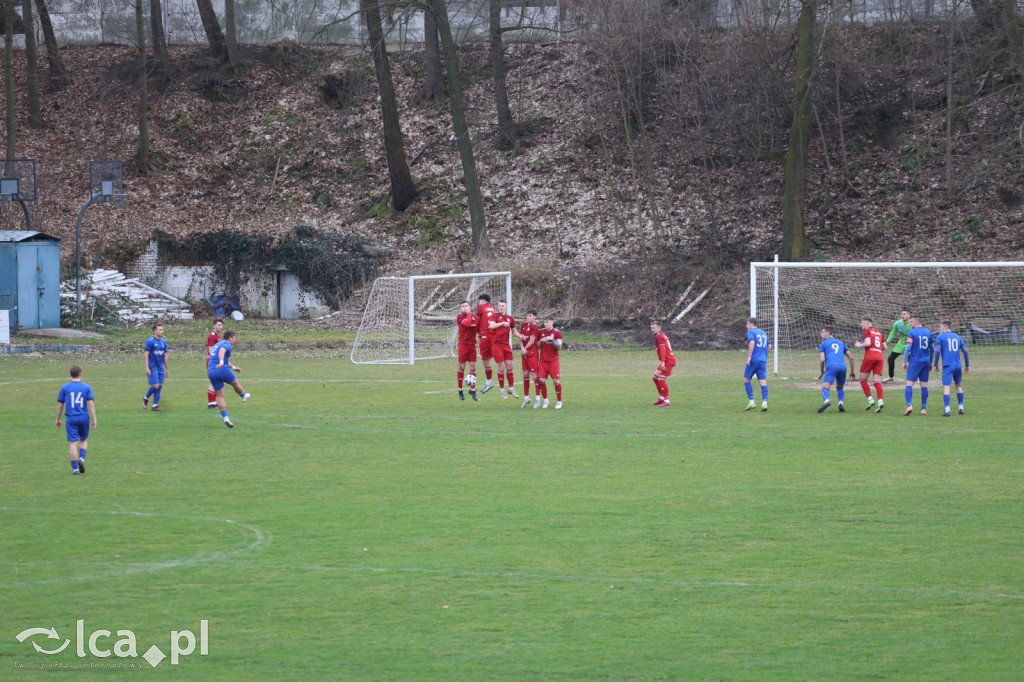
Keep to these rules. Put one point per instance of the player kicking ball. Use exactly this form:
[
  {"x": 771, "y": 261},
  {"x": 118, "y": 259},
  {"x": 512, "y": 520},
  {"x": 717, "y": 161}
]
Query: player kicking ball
[{"x": 221, "y": 372}]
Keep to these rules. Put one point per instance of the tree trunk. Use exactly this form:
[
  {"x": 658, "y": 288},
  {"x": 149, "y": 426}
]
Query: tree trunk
[
  {"x": 506, "y": 124},
  {"x": 212, "y": 27},
  {"x": 161, "y": 57},
  {"x": 403, "y": 192},
  {"x": 794, "y": 235},
  {"x": 142, "y": 165},
  {"x": 457, "y": 104},
  {"x": 9, "y": 78},
  {"x": 59, "y": 79},
  {"x": 35, "y": 113},
  {"x": 433, "y": 89},
  {"x": 231, "y": 30}
]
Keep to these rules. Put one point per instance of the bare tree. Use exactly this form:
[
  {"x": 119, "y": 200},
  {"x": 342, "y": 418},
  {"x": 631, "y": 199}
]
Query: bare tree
[
  {"x": 403, "y": 191},
  {"x": 506, "y": 124},
  {"x": 9, "y": 78},
  {"x": 457, "y": 105},
  {"x": 433, "y": 87},
  {"x": 35, "y": 113},
  {"x": 142, "y": 161},
  {"x": 59, "y": 78},
  {"x": 231, "y": 28},
  {"x": 161, "y": 57},
  {"x": 794, "y": 234},
  {"x": 214, "y": 34}
]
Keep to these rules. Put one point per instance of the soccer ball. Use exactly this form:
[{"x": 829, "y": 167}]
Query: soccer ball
[{"x": 471, "y": 381}]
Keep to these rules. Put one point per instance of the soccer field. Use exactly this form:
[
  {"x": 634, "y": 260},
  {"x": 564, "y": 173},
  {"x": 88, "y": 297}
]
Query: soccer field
[{"x": 360, "y": 522}]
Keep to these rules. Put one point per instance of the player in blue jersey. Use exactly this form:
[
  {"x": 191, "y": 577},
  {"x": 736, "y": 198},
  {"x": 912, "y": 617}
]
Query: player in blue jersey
[
  {"x": 154, "y": 354},
  {"x": 76, "y": 401},
  {"x": 758, "y": 346},
  {"x": 948, "y": 346},
  {"x": 221, "y": 372},
  {"x": 917, "y": 360},
  {"x": 833, "y": 356}
]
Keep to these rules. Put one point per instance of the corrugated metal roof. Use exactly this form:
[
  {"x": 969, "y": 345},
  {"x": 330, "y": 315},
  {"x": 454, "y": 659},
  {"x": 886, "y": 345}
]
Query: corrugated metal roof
[{"x": 24, "y": 236}]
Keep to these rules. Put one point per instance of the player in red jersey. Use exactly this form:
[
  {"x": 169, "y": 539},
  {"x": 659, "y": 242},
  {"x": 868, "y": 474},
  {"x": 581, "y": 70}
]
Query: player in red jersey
[
  {"x": 502, "y": 325},
  {"x": 667, "y": 360},
  {"x": 528, "y": 334},
  {"x": 873, "y": 344},
  {"x": 550, "y": 342},
  {"x": 484, "y": 310},
  {"x": 211, "y": 340},
  {"x": 466, "y": 322}
]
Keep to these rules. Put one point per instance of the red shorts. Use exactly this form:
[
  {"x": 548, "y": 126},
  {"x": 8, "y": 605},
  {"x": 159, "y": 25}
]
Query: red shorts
[
  {"x": 485, "y": 347},
  {"x": 548, "y": 369},
  {"x": 502, "y": 352},
  {"x": 467, "y": 353},
  {"x": 665, "y": 370},
  {"x": 530, "y": 363},
  {"x": 872, "y": 365}
]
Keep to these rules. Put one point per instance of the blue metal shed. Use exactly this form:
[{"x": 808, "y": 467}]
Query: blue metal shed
[{"x": 30, "y": 278}]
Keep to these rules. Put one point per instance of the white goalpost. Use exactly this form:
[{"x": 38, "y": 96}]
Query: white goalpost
[
  {"x": 984, "y": 301},
  {"x": 413, "y": 318}
]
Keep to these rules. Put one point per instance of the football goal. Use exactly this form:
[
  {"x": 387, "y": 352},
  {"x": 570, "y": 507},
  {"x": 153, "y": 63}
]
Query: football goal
[
  {"x": 413, "y": 318},
  {"x": 793, "y": 301}
]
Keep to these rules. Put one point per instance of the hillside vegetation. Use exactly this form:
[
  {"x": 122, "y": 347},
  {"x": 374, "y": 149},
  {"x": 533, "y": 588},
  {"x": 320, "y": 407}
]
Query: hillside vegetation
[{"x": 644, "y": 164}]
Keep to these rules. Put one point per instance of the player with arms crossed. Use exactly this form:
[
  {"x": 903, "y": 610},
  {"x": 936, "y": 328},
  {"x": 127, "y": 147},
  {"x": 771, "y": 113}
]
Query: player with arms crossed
[
  {"x": 528, "y": 334},
  {"x": 758, "y": 347},
  {"x": 832, "y": 357},
  {"x": 466, "y": 322},
  {"x": 900, "y": 329},
  {"x": 154, "y": 354},
  {"x": 667, "y": 361},
  {"x": 874, "y": 359},
  {"x": 917, "y": 360},
  {"x": 211, "y": 340},
  {"x": 221, "y": 372},
  {"x": 484, "y": 310},
  {"x": 550, "y": 343},
  {"x": 948, "y": 346},
  {"x": 76, "y": 400},
  {"x": 502, "y": 325}
]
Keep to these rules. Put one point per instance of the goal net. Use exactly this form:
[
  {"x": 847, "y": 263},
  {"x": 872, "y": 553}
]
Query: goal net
[
  {"x": 413, "y": 318},
  {"x": 793, "y": 301}
]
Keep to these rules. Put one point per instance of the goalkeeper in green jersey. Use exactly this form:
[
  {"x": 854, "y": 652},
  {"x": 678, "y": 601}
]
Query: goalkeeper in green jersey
[{"x": 900, "y": 329}]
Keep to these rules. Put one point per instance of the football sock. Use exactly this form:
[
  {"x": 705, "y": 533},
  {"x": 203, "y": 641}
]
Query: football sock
[
  {"x": 749, "y": 389},
  {"x": 224, "y": 413},
  {"x": 824, "y": 395},
  {"x": 150, "y": 392},
  {"x": 764, "y": 393},
  {"x": 960, "y": 399},
  {"x": 878, "y": 389},
  {"x": 211, "y": 397},
  {"x": 908, "y": 393},
  {"x": 501, "y": 379},
  {"x": 156, "y": 396},
  {"x": 945, "y": 400},
  {"x": 461, "y": 374},
  {"x": 841, "y": 394},
  {"x": 558, "y": 392},
  {"x": 924, "y": 397},
  {"x": 544, "y": 390},
  {"x": 74, "y": 465},
  {"x": 488, "y": 372},
  {"x": 864, "y": 387},
  {"x": 537, "y": 385},
  {"x": 511, "y": 380},
  {"x": 81, "y": 453},
  {"x": 657, "y": 387},
  {"x": 526, "y": 387}
]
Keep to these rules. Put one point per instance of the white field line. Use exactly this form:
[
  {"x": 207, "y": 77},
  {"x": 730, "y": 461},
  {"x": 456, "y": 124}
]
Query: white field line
[
  {"x": 667, "y": 582},
  {"x": 256, "y": 539}
]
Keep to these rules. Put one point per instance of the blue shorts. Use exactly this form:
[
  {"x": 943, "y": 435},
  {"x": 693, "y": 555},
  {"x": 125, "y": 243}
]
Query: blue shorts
[
  {"x": 758, "y": 368},
  {"x": 77, "y": 428},
  {"x": 219, "y": 377},
  {"x": 918, "y": 371},
  {"x": 951, "y": 375},
  {"x": 156, "y": 375},
  {"x": 835, "y": 375}
]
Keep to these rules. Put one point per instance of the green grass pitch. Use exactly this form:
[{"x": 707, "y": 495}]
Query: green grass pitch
[{"x": 360, "y": 522}]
